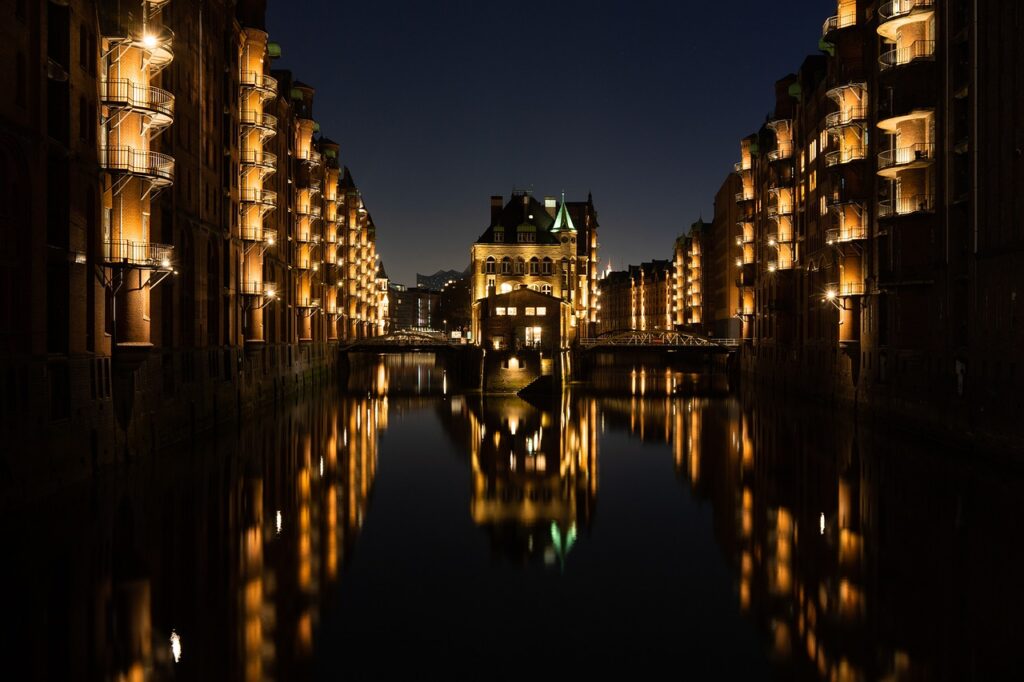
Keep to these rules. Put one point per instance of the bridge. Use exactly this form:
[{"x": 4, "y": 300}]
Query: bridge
[
  {"x": 405, "y": 340},
  {"x": 659, "y": 340}
]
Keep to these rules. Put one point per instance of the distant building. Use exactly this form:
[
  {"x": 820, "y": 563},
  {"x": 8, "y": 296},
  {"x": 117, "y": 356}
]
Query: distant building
[
  {"x": 414, "y": 308},
  {"x": 639, "y": 298},
  {"x": 538, "y": 246},
  {"x": 439, "y": 279}
]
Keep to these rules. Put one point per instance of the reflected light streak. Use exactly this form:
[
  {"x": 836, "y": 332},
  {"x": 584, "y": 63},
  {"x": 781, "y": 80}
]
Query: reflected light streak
[{"x": 175, "y": 646}]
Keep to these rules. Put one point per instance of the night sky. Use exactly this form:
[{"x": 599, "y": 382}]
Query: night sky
[{"x": 438, "y": 105}]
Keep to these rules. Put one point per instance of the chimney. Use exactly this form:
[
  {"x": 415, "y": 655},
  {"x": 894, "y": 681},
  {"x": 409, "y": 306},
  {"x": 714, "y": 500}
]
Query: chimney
[
  {"x": 496, "y": 203},
  {"x": 551, "y": 205}
]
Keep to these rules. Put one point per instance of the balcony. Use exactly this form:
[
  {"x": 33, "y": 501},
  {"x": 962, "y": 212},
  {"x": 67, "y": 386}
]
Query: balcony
[
  {"x": 262, "y": 83},
  {"x": 741, "y": 166},
  {"x": 145, "y": 255},
  {"x": 780, "y": 153},
  {"x": 776, "y": 210},
  {"x": 848, "y": 288},
  {"x": 892, "y": 161},
  {"x": 156, "y": 103},
  {"x": 843, "y": 156},
  {"x": 155, "y": 167},
  {"x": 894, "y": 14},
  {"x": 840, "y": 235},
  {"x": 266, "y": 161},
  {"x": 745, "y": 195},
  {"x": 255, "y": 288},
  {"x": 852, "y": 115},
  {"x": 258, "y": 195},
  {"x": 906, "y": 205},
  {"x": 255, "y": 234},
  {"x": 157, "y": 42},
  {"x": 836, "y": 23},
  {"x": 919, "y": 50},
  {"x": 261, "y": 121},
  {"x": 306, "y": 302}
]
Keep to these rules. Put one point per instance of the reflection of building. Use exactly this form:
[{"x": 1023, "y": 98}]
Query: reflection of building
[
  {"x": 534, "y": 474},
  {"x": 539, "y": 247}
]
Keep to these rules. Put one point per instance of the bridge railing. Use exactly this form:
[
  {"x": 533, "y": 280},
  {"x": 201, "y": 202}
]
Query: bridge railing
[{"x": 658, "y": 338}]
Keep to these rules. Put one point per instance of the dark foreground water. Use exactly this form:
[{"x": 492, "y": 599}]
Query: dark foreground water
[{"x": 651, "y": 527}]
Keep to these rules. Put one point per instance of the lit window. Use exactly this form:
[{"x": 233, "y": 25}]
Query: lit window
[
  {"x": 823, "y": 207},
  {"x": 512, "y": 311},
  {"x": 812, "y": 151},
  {"x": 542, "y": 310},
  {"x": 531, "y": 311},
  {"x": 824, "y": 139},
  {"x": 499, "y": 311}
]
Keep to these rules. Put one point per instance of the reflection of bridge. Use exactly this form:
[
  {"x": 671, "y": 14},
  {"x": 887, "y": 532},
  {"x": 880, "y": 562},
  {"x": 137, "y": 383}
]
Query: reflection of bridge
[
  {"x": 658, "y": 340},
  {"x": 401, "y": 341}
]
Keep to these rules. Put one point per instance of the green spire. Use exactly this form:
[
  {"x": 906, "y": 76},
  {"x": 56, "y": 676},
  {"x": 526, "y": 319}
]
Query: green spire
[{"x": 562, "y": 219}]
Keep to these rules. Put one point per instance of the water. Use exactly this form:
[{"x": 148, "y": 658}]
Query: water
[{"x": 656, "y": 525}]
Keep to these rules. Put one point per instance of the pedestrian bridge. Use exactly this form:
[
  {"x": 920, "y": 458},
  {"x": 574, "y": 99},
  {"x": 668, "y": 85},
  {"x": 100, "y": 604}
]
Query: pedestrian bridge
[
  {"x": 658, "y": 340},
  {"x": 401, "y": 341}
]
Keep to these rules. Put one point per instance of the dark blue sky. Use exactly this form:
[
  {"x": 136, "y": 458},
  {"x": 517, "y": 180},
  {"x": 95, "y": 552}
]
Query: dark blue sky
[{"x": 438, "y": 105}]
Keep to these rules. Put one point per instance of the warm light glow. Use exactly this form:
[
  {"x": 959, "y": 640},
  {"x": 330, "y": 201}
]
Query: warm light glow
[
  {"x": 271, "y": 293},
  {"x": 278, "y": 522},
  {"x": 830, "y": 295},
  {"x": 149, "y": 40},
  {"x": 821, "y": 523},
  {"x": 175, "y": 646},
  {"x": 165, "y": 263}
]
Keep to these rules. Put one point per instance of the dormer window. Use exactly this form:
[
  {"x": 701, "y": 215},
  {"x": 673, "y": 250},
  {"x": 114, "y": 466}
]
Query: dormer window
[{"x": 527, "y": 237}]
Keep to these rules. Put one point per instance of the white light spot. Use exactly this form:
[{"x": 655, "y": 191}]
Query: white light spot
[{"x": 175, "y": 646}]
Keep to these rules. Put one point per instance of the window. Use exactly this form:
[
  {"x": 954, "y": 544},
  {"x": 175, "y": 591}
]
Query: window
[
  {"x": 499, "y": 311},
  {"x": 499, "y": 236},
  {"x": 506, "y": 265},
  {"x": 531, "y": 311},
  {"x": 512, "y": 311},
  {"x": 527, "y": 237},
  {"x": 534, "y": 265},
  {"x": 812, "y": 151},
  {"x": 546, "y": 289},
  {"x": 823, "y": 140},
  {"x": 489, "y": 265},
  {"x": 520, "y": 266},
  {"x": 546, "y": 266},
  {"x": 823, "y": 208},
  {"x": 542, "y": 310}
]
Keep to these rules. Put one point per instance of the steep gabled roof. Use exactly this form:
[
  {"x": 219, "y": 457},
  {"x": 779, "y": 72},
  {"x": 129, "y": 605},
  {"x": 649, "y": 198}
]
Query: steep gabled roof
[{"x": 520, "y": 216}]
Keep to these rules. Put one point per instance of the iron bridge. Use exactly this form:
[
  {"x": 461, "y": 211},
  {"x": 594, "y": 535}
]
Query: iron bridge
[
  {"x": 659, "y": 340},
  {"x": 402, "y": 340}
]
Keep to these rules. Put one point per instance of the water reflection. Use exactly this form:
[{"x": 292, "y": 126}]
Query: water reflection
[
  {"x": 534, "y": 472},
  {"x": 843, "y": 554}
]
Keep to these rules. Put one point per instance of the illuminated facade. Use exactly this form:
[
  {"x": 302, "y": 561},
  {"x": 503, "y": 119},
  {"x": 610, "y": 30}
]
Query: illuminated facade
[
  {"x": 192, "y": 242},
  {"x": 872, "y": 211},
  {"x": 550, "y": 248}
]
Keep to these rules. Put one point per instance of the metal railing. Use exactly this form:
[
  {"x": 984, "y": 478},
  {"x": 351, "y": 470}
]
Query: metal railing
[
  {"x": 917, "y": 50},
  {"x": 745, "y": 196},
  {"x": 138, "y": 254},
  {"x": 837, "y": 235},
  {"x": 254, "y": 79},
  {"x": 159, "y": 167},
  {"x": 306, "y": 302},
  {"x": 837, "y": 22},
  {"x": 263, "y": 159},
  {"x": 126, "y": 93},
  {"x": 893, "y": 9},
  {"x": 258, "y": 195},
  {"x": 903, "y": 156},
  {"x": 905, "y": 205},
  {"x": 781, "y": 153},
  {"x": 739, "y": 166},
  {"x": 841, "y": 156},
  {"x": 846, "y": 117},
  {"x": 649, "y": 338},
  {"x": 779, "y": 209},
  {"x": 263, "y": 120},
  {"x": 849, "y": 288},
  {"x": 252, "y": 288}
]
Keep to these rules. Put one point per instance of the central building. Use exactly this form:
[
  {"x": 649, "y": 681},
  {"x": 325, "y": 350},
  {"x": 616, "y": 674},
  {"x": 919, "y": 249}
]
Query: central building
[{"x": 549, "y": 249}]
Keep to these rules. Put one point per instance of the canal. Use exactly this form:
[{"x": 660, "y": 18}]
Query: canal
[{"x": 658, "y": 523}]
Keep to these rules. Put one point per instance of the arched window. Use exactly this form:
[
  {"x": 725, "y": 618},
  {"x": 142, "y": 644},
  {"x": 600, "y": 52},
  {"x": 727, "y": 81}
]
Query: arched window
[
  {"x": 520, "y": 266},
  {"x": 534, "y": 265},
  {"x": 565, "y": 273},
  {"x": 546, "y": 289},
  {"x": 505, "y": 288},
  {"x": 489, "y": 265},
  {"x": 506, "y": 265},
  {"x": 546, "y": 266}
]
